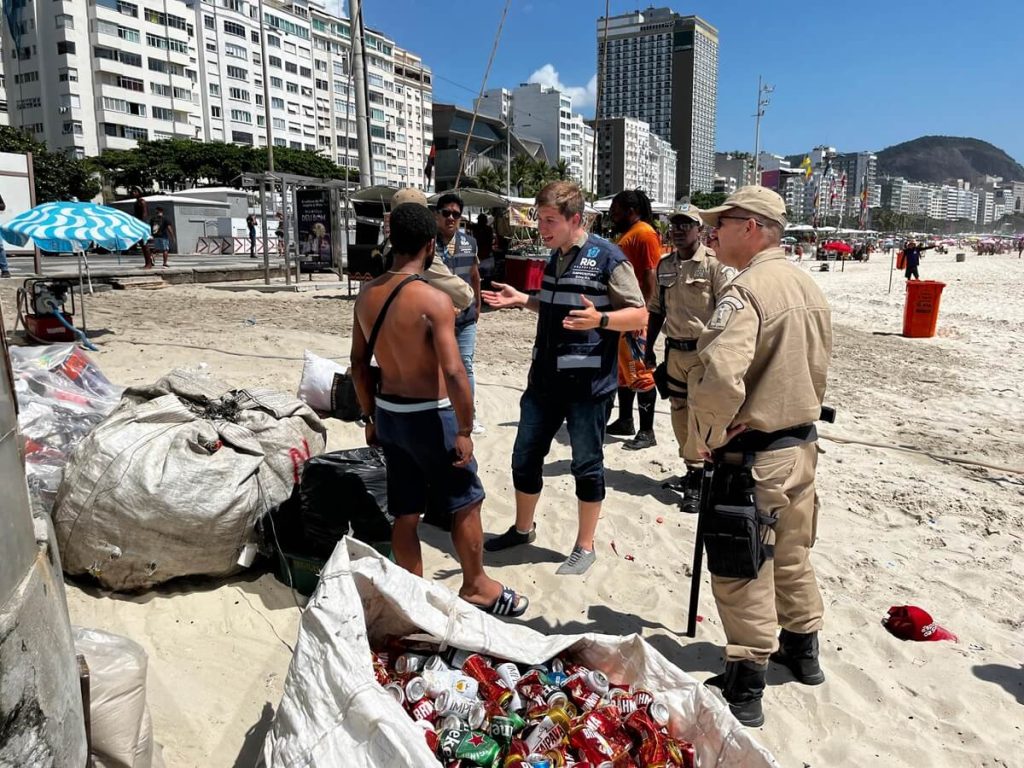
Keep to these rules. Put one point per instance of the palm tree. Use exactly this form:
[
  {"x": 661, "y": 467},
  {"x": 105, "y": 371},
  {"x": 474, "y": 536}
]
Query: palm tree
[
  {"x": 491, "y": 179},
  {"x": 520, "y": 172},
  {"x": 561, "y": 170}
]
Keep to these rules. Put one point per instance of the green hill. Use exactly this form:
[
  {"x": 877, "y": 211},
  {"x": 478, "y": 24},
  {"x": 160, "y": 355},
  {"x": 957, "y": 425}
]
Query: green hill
[{"x": 938, "y": 159}]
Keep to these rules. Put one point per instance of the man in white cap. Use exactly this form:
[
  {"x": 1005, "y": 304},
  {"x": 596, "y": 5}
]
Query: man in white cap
[
  {"x": 690, "y": 281},
  {"x": 765, "y": 355}
]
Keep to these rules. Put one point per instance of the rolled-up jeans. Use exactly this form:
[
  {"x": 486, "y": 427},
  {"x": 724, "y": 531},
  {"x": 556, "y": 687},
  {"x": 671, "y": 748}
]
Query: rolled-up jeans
[
  {"x": 466, "y": 338},
  {"x": 540, "y": 417}
]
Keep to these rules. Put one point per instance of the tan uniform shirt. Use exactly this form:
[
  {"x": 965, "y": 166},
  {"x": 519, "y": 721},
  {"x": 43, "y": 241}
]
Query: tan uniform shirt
[
  {"x": 457, "y": 289},
  {"x": 691, "y": 288},
  {"x": 623, "y": 288},
  {"x": 765, "y": 352}
]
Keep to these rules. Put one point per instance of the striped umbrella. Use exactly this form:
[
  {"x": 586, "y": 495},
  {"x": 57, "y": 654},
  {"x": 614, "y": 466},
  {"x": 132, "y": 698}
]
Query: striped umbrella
[{"x": 67, "y": 227}]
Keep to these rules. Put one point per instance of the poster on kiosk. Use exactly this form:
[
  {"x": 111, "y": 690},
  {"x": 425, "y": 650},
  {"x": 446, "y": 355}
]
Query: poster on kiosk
[{"x": 313, "y": 217}]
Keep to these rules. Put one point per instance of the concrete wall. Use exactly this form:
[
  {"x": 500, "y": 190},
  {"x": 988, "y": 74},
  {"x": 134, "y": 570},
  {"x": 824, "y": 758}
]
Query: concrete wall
[{"x": 41, "y": 720}]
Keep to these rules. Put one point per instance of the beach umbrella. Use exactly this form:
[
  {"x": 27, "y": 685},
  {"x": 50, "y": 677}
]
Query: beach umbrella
[
  {"x": 75, "y": 227},
  {"x": 838, "y": 246}
]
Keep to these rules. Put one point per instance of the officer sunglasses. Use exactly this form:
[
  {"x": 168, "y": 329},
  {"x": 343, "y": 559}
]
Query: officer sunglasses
[
  {"x": 450, "y": 213},
  {"x": 684, "y": 224}
]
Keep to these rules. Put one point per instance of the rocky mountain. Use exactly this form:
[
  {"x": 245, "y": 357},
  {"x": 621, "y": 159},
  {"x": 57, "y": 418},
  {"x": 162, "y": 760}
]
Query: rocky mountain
[{"x": 939, "y": 159}]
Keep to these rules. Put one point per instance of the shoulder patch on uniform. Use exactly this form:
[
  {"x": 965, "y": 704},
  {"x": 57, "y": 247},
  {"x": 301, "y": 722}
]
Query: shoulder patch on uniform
[
  {"x": 724, "y": 311},
  {"x": 729, "y": 272}
]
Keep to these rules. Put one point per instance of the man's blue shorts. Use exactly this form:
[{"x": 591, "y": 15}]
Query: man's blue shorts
[
  {"x": 418, "y": 439},
  {"x": 160, "y": 244}
]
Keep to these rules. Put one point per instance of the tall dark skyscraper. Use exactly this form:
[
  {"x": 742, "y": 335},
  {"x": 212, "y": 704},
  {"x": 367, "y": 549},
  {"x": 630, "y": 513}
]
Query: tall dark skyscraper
[{"x": 662, "y": 68}]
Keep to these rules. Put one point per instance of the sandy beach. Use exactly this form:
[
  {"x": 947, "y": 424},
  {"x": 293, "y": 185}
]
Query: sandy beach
[{"x": 922, "y": 488}]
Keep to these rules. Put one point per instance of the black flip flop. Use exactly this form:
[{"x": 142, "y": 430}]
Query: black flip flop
[{"x": 505, "y": 604}]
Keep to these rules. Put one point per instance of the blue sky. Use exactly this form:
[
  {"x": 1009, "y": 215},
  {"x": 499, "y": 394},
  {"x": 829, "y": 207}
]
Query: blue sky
[{"x": 856, "y": 76}]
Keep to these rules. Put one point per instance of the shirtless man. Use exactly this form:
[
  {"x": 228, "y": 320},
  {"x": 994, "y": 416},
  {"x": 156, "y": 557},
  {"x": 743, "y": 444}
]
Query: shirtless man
[{"x": 424, "y": 434}]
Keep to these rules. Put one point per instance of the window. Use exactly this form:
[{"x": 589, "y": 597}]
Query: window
[
  {"x": 69, "y": 100},
  {"x": 159, "y": 113},
  {"x": 72, "y": 127},
  {"x": 241, "y": 137},
  {"x": 276, "y": 82},
  {"x": 215, "y": 111},
  {"x": 241, "y": 116},
  {"x": 273, "y": 41},
  {"x": 238, "y": 73},
  {"x": 182, "y": 93},
  {"x": 275, "y": 61},
  {"x": 230, "y": 28},
  {"x": 322, "y": 85},
  {"x": 167, "y": 44},
  {"x": 214, "y": 89},
  {"x": 30, "y": 103},
  {"x": 291, "y": 67},
  {"x": 254, "y": 37},
  {"x": 65, "y": 48},
  {"x": 306, "y": 72},
  {"x": 238, "y": 94},
  {"x": 208, "y": 22},
  {"x": 67, "y": 75},
  {"x": 292, "y": 87},
  {"x": 130, "y": 84},
  {"x": 377, "y": 114},
  {"x": 276, "y": 103},
  {"x": 235, "y": 51},
  {"x": 160, "y": 90},
  {"x": 278, "y": 124},
  {"x": 64, "y": 21}
]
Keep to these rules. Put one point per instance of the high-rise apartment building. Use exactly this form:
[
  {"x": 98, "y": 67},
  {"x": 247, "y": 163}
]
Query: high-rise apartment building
[
  {"x": 90, "y": 75},
  {"x": 544, "y": 114},
  {"x": 662, "y": 68},
  {"x": 631, "y": 156}
]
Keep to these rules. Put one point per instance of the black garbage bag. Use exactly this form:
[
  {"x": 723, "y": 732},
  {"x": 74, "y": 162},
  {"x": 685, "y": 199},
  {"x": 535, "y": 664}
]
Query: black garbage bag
[{"x": 339, "y": 493}]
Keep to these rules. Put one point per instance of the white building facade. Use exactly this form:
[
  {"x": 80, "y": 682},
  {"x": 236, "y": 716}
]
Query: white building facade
[{"x": 90, "y": 75}]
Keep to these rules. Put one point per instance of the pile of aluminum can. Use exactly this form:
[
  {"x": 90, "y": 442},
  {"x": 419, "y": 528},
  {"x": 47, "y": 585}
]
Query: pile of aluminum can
[{"x": 479, "y": 711}]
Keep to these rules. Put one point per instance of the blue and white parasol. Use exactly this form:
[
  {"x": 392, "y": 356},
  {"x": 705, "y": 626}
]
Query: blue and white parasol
[{"x": 70, "y": 227}]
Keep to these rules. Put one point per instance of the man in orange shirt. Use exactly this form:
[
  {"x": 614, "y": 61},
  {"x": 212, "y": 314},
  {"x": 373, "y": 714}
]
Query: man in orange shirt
[{"x": 631, "y": 214}]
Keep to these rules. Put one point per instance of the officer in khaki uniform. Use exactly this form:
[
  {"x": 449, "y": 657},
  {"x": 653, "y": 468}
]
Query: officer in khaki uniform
[
  {"x": 765, "y": 357},
  {"x": 690, "y": 283}
]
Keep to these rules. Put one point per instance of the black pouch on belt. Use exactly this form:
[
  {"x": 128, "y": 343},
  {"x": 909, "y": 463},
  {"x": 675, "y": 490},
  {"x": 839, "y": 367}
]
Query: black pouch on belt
[{"x": 735, "y": 534}]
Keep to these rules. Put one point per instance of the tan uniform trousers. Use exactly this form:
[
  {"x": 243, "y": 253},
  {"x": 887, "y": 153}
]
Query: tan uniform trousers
[
  {"x": 785, "y": 592},
  {"x": 684, "y": 366}
]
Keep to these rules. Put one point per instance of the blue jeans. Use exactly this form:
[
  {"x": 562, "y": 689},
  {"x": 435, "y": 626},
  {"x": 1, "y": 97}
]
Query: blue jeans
[
  {"x": 539, "y": 419},
  {"x": 4, "y": 267},
  {"x": 466, "y": 338}
]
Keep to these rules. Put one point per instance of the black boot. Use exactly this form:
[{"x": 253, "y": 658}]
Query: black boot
[
  {"x": 799, "y": 653},
  {"x": 691, "y": 494},
  {"x": 742, "y": 685}
]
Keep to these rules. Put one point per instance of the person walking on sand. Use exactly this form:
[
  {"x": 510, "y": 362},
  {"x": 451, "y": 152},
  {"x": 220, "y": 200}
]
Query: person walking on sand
[
  {"x": 141, "y": 210},
  {"x": 163, "y": 233},
  {"x": 588, "y": 297},
  {"x": 250, "y": 223},
  {"x": 420, "y": 411}
]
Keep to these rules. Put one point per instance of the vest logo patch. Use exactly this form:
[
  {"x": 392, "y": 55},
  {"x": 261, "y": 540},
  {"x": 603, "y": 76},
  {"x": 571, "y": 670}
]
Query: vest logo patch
[
  {"x": 592, "y": 252},
  {"x": 724, "y": 311},
  {"x": 585, "y": 262}
]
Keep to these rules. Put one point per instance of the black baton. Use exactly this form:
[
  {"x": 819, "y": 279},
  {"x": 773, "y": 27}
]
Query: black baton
[{"x": 698, "y": 547}]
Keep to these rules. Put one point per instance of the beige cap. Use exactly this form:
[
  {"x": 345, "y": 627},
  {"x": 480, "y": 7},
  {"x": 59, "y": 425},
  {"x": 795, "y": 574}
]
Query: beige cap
[
  {"x": 409, "y": 195},
  {"x": 689, "y": 212},
  {"x": 759, "y": 200}
]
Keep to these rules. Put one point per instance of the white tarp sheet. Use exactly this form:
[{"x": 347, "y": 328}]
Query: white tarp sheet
[{"x": 334, "y": 713}]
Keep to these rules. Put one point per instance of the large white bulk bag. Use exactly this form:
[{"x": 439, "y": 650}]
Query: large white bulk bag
[
  {"x": 334, "y": 713},
  {"x": 174, "y": 481}
]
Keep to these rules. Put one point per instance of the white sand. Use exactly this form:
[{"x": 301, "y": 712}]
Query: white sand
[{"x": 896, "y": 527}]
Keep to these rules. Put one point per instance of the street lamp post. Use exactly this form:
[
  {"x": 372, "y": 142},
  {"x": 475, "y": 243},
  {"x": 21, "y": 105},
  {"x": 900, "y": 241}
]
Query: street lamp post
[{"x": 763, "y": 90}]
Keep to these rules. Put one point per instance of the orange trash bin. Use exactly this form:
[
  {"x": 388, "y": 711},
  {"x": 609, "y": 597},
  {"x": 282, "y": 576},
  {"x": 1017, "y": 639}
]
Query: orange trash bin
[{"x": 921, "y": 311}]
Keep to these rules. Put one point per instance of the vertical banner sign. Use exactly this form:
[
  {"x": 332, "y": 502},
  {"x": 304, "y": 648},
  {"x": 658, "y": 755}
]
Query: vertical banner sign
[{"x": 313, "y": 217}]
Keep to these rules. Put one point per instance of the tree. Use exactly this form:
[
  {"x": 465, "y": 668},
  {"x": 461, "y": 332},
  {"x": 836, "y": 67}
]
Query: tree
[
  {"x": 57, "y": 176},
  {"x": 490, "y": 179},
  {"x": 705, "y": 200}
]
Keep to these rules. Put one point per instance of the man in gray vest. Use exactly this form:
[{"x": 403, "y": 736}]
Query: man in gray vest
[
  {"x": 458, "y": 251},
  {"x": 589, "y": 296}
]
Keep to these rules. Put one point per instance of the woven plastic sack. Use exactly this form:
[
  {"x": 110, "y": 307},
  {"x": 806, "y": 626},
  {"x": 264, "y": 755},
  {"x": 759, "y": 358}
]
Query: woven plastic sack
[
  {"x": 120, "y": 728},
  {"x": 334, "y": 713},
  {"x": 175, "y": 480}
]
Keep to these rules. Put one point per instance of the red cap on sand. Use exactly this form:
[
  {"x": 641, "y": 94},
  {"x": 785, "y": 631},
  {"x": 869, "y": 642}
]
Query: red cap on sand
[{"x": 908, "y": 622}]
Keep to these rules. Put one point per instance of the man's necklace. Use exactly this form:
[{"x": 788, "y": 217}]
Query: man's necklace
[{"x": 393, "y": 272}]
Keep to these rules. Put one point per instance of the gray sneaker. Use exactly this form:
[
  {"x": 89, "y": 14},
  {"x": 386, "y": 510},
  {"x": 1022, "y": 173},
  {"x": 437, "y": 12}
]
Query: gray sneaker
[{"x": 578, "y": 562}]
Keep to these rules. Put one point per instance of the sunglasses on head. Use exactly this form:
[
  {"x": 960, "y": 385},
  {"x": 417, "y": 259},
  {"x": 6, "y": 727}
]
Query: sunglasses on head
[{"x": 450, "y": 213}]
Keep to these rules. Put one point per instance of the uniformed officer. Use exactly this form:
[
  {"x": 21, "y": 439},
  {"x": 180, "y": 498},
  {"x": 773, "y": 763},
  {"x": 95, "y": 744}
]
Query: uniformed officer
[
  {"x": 457, "y": 250},
  {"x": 765, "y": 356},
  {"x": 690, "y": 281},
  {"x": 588, "y": 297}
]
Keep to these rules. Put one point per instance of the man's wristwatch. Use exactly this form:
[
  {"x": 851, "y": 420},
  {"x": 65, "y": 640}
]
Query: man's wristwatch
[
  {"x": 366, "y": 418},
  {"x": 604, "y": 320}
]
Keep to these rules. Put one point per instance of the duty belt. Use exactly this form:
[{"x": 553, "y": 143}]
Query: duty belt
[
  {"x": 754, "y": 440},
  {"x": 684, "y": 345}
]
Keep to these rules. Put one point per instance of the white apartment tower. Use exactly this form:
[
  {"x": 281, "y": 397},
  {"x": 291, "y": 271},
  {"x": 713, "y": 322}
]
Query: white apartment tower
[
  {"x": 631, "y": 156},
  {"x": 90, "y": 75}
]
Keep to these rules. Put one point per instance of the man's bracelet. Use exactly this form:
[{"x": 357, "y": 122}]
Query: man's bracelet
[{"x": 465, "y": 432}]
